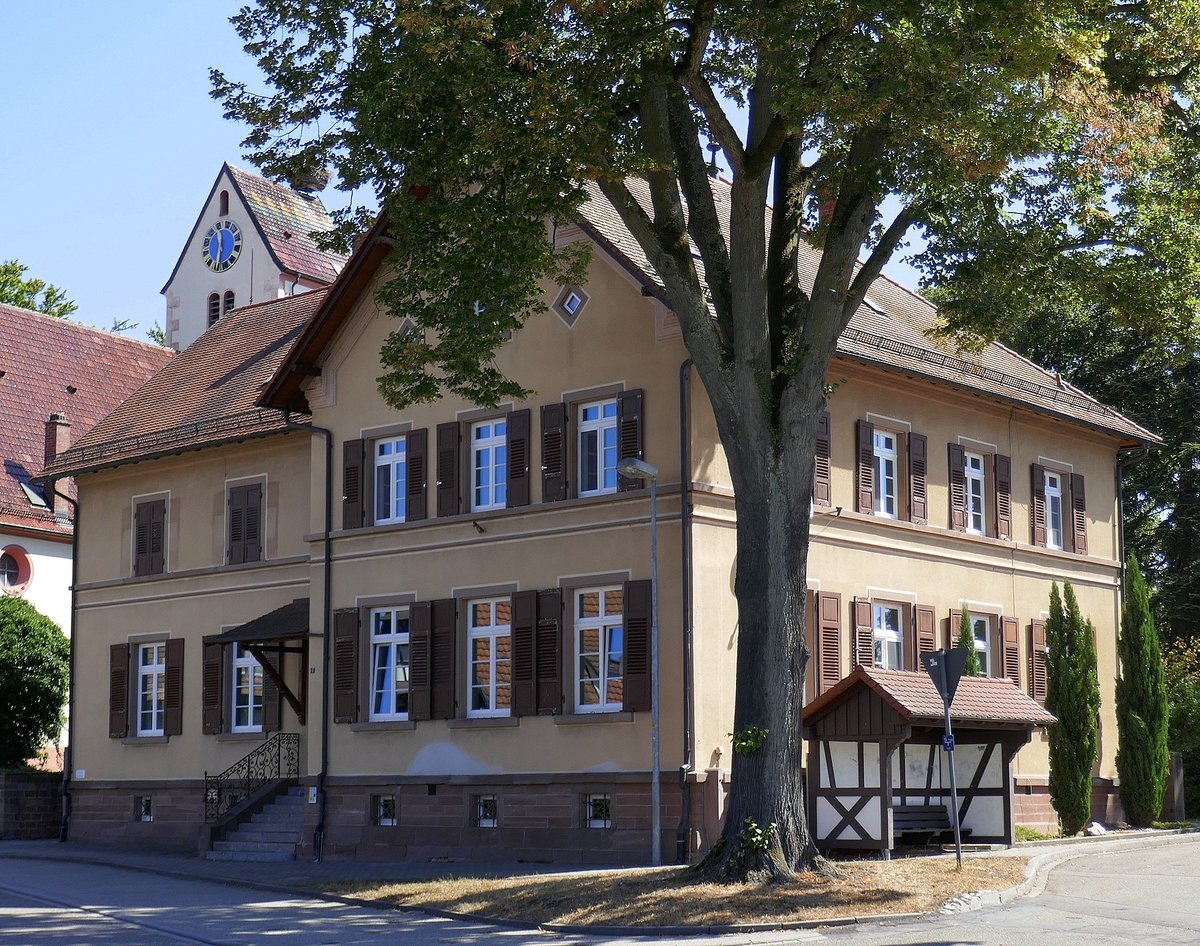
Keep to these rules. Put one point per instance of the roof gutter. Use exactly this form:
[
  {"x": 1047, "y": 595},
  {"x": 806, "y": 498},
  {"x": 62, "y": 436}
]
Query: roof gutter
[{"x": 319, "y": 831}]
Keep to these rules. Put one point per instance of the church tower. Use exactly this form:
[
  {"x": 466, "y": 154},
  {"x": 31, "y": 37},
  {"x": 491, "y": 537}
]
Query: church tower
[{"x": 252, "y": 242}]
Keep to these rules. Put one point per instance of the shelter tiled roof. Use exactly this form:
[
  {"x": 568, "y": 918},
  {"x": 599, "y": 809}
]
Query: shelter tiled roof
[
  {"x": 286, "y": 623},
  {"x": 50, "y": 365},
  {"x": 913, "y": 695},
  {"x": 204, "y": 396},
  {"x": 288, "y": 219},
  {"x": 891, "y": 329}
]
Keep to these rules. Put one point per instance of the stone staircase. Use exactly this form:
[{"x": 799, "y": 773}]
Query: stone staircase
[{"x": 271, "y": 834}]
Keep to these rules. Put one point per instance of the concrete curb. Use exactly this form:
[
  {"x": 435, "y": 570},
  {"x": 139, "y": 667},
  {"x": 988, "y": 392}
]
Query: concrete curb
[{"x": 1036, "y": 878}]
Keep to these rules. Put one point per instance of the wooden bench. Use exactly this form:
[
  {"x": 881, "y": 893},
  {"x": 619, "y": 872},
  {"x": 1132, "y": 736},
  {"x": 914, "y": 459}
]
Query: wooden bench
[{"x": 923, "y": 819}]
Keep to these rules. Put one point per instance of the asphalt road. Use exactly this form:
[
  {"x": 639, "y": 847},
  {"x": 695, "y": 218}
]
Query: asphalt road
[{"x": 1147, "y": 897}]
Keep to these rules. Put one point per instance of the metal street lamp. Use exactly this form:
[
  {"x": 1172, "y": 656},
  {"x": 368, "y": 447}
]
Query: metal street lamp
[{"x": 637, "y": 469}]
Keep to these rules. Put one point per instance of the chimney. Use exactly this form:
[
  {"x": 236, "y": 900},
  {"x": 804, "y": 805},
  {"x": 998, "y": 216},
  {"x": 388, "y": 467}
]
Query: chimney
[{"x": 58, "y": 438}]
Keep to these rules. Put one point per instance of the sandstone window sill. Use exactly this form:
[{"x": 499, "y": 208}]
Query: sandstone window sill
[{"x": 588, "y": 719}]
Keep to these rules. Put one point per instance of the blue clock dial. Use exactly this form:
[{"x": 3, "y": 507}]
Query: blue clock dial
[{"x": 222, "y": 246}]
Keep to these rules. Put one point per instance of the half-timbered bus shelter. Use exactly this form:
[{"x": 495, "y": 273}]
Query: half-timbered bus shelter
[{"x": 877, "y": 769}]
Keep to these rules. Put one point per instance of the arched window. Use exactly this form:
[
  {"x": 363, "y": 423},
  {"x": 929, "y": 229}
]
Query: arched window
[
  {"x": 224, "y": 203},
  {"x": 214, "y": 308},
  {"x": 228, "y": 303}
]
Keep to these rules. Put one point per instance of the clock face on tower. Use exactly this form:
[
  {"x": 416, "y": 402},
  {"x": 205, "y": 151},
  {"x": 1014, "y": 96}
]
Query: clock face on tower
[{"x": 222, "y": 246}]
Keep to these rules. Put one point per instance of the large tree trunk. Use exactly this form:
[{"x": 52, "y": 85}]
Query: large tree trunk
[{"x": 766, "y": 832}]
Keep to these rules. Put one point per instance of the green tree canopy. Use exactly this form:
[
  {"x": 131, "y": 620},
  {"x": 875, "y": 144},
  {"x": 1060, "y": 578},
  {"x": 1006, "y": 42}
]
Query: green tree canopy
[
  {"x": 1043, "y": 149},
  {"x": 33, "y": 680},
  {"x": 1073, "y": 695},
  {"x": 34, "y": 294}
]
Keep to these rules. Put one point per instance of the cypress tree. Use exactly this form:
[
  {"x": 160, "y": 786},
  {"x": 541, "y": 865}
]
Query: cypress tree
[
  {"x": 1142, "y": 759},
  {"x": 966, "y": 639},
  {"x": 1073, "y": 695}
]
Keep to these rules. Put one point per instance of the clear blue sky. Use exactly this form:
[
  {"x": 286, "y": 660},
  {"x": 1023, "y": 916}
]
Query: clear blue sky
[{"x": 111, "y": 144}]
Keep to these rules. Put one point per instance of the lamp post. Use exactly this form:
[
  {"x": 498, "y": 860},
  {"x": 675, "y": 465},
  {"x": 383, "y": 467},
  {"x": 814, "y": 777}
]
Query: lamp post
[{"x": 637, "y": 469}]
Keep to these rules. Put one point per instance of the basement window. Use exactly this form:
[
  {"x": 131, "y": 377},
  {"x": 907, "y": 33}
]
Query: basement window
[
  {"x": 383, "y": 811},
  {"x": 598, "y": 810},
  {"x": 143, "y": 808}
]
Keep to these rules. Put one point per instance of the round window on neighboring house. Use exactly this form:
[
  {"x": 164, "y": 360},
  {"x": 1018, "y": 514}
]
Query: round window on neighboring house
[{"x": 15, "y": 570}]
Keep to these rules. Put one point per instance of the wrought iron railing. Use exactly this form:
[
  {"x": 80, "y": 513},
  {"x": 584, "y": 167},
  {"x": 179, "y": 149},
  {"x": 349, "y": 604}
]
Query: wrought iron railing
[{"x": 278, "y": 757}]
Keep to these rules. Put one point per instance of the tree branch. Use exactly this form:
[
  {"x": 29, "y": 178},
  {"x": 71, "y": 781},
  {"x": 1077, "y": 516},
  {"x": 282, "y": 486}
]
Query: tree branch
[
  {"x": 719, "y": 124},
  {"x": 870, "y": 270}
]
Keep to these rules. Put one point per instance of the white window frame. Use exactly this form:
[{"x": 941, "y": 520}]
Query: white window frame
[
  {"x": 976, "y": 484},
  {"x": 1054, "y": 509},
  {"x": 886, "y": 454},
  {"x": 390, "y": 456},
  {"x": 398, "y": 671},
  {"x": 605, "y": 623},
  {"x": 246, "y": 690},
  {"x": 493, "y": 633},
  {"x": 600, "y": 428},
  {"x": 884, "y": 636},
  {"x": 489, "y": 451},
  {"x": 983, "y": 648},
  {"x": 152, "y": 680}
]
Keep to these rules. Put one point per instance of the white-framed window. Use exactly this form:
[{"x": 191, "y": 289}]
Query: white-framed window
[
  {"x": 489, "y": 464},
  {"x": 486, "y": 811},
  {"x": 599, "y": 649},
  {"x": 247, "y": 699},
  {"x": 151, "y": 684},
  {"x": 981, "y": 630},
  {"x": 389, "y": 663},
  {"x": 886, "y": 457},
  {"x": 888, "y": 618},
  {"x": 391, "y": 480},
  {"x": 976, "y": 494},
  {"x": 383, "y": 811},
  {"x": 1054, "y": 510},
  {"x": 489, "y": 646},
  {"x": 597, "y": 447},
  {"x": 10, "y": 571},
  {"x": 598, "y": 810}
]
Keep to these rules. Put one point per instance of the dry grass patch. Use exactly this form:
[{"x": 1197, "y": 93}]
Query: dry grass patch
[{"x": 671, "y": 896}]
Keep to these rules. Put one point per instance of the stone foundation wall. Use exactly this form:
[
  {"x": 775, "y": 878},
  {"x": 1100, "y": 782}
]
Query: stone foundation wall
[
  {"x": 1031, "y": 800},
  {"x": 111, "y": 813},
  {"x": 30, "y": 805}
]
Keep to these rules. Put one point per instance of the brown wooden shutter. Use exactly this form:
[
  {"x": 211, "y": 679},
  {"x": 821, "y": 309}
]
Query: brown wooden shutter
[
  {"x": 925, "y": 623},
  {"x": 637, "y": 645},
  {"x": 958, "y": 487},
  {"x": 554, "y": 453},
  {"x": 524, "y": 681},
  {"x": 448, "y": 460},
  {"x": 1079, "y": 514},
  {"x": 212, "y": 688},
  {"x": 918, "y": 468},
  {"x": 864, "y": 634},
  {"x": 1037, "y": 507},
  {"x": 865, "y": 468},
  {"x": 1037, "y": 660},
  {"x": 253, "y": 541},
  {"x": 811, "y": 620},
  {"x": 245, "y": 524},
  {"x": 442, "y": 635},
  {"x": 829, "y": 639},
  {"x": 353, "y": 461},
  {"x": 823, "y": 475},
  {"x": 1011, "y": 649},
  {"x": 629, "y": 433},
  {"x": 272, "y": 710},
  {"x": 416, "y": 459},
  {"x": 1002, "y": 495},
  {"x": 345, "y": 665},
  {"x": 420, "y": 675},
  {"x": 173, "y": 688},
  {"x": 952, "y": 627},
  {"x": 548, "y": 643},
  {"x": 118, "y": 691},
  {"x": 149, "y": 528},
  {"x": 516, "y": 441}
]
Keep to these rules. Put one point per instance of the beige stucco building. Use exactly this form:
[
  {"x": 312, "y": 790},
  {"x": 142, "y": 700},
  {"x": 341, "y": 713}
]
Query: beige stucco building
[{"x": 465, "y": 664}]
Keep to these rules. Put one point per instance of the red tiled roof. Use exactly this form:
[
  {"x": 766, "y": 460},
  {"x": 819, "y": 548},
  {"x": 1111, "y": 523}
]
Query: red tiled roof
[
  {"x": 50, "y": 365},
  {"x": 206, "y": 395},
  {"x": 288, "y": 220},
  {"x": 914, "y": 697}
]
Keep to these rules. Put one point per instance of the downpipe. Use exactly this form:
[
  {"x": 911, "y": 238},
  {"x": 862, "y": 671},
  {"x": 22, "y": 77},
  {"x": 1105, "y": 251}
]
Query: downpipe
[
  {"x": 685, "y": 524},
  {"x": 68, "y": 756}
]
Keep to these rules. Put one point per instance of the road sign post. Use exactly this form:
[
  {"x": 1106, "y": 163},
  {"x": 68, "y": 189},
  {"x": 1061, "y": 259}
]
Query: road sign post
[{"x": 945, "y": 669}]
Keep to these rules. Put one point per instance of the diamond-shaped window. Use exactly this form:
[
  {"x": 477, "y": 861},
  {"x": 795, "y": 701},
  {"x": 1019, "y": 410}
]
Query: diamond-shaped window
[{"x": 570, "y": 303}]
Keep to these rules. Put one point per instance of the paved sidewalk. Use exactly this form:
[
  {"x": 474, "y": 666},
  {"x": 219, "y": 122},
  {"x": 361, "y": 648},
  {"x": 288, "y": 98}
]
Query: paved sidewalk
[{"x": 307, "y": 877}]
